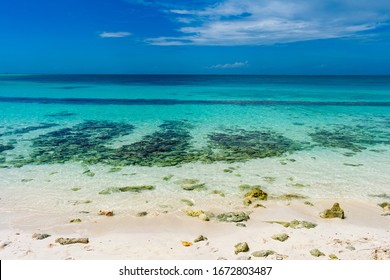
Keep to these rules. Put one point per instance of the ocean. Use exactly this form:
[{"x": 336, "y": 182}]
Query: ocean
[{"x": 159, "y": 143}]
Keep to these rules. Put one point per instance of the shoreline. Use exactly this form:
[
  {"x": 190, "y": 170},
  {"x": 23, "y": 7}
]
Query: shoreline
[{"x": 363, "y": 234}]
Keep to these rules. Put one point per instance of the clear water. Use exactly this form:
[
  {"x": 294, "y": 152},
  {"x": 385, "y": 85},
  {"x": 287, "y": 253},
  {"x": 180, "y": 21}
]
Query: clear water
[{"x": 338, "y": 128}]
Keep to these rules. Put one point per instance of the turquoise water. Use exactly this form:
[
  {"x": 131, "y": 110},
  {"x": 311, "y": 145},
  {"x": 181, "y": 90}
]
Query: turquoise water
[{"x": 323, "y": 136}]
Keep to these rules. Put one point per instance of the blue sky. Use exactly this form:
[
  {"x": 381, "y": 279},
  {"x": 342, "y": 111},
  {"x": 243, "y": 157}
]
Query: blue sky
[{"x": 195, "y": 36}]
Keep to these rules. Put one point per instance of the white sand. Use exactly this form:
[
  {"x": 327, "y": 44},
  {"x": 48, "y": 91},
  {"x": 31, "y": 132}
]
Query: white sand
[{"x": 363, "y": 234}]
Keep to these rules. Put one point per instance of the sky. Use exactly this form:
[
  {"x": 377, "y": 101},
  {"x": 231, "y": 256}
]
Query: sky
[{"x": 310, "y": 37}]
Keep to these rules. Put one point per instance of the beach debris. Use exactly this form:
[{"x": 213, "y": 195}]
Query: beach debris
[
  {"x": 4, "y": 244},
  {"x": 295, "y": 224},
  {"x": 40, "y": 236},
  {"x": 142, "y": 214},
  {"x": 188, "y": 202},
  {"x": 280, "y": 237},
  {"x": 263, "y": 253},
  {"x": 241, "y": 248},
  {"x": 381, "y": 254},
  {"x": 186, "y": 243},
  {"x": 234, "y": 217},
  {"x": 68, "y": 241},
  {"x": 333, "y": 257},
  {"x": 108, "y": 213},
  {"x": 200, "y": 238},
  {"x": 316, "y": 253},
  {"x": 136, "y": 189},
  {"x": 308, "y": 203},
  {"x": 75, "y": 220},
  {"x": 334, "y": 212}
]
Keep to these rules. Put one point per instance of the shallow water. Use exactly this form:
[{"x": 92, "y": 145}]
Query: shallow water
[{"x": 323, "y": 137}]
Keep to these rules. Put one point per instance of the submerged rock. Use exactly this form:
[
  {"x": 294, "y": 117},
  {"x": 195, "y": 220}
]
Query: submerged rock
[
  {"x": 316, "y": 253},
  {"x": 291, "y": 196},
  {"x": 263, "y": 253},
  {"x": 188, "y": 202},
  {"x": 135, "y": 189},
  {"x": 142, "y": 214},
  {"x": 241, "y": 248},
  {"x": 194, "y": 213},
  {"x": 295, "y": 224},
  {"x": 280, "y": 237},
  {"x": 256, "y": 194},
  {"x": 384, "y": 205},
  {"x": 68, "y": 241},
  {"x": 234, "y": 217},
  {"x": 334, "y": 212},
  {"x": 107, "y": 213},
  {"x": 40, "y": 236}
]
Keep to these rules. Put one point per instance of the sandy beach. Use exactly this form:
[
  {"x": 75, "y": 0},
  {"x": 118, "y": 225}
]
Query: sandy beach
[{"x": 363, "y": 234}]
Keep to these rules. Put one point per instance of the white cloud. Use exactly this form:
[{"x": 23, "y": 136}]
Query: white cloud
[
  {"x": 264, "y": 22},
  {"x": 231, "y": 65},
  {"x": 114, "y": 34}
]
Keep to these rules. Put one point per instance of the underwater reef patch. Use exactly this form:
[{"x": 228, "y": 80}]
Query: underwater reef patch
[
  {"x": 85, "y": 142},
  {"x": 354, "y": 138},
  {"x": 169, "y": 146},
  {"x": 242, "y": 145}
]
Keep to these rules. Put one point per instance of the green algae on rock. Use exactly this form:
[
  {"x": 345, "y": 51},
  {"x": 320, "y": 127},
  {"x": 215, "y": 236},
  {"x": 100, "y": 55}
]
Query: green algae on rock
[
  {"x": 384, "y": 204},
  {"x": 136, "y": 189},
  {"x": 142, "y": 214},
  {"x": 333, "y": 257},
  {"x": 295, "y": 224},
  {"x": 316, "y": 253},
  {"x": 334, "y": 212},
  {"x": 234, "y": 217},
  {"x": 200, "y": 238},
  {"x": 194, "y": 213},
  {"x": 280, "y": 237},
  {"x": 256, "y": 194},
  {"x": 263, "y": 253},
  {"x": 68, "y": 241},
  {"x": 241, "y": 248},
  {"x": 75, "y": 221},
  {"x": 308, "y": 203}
]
